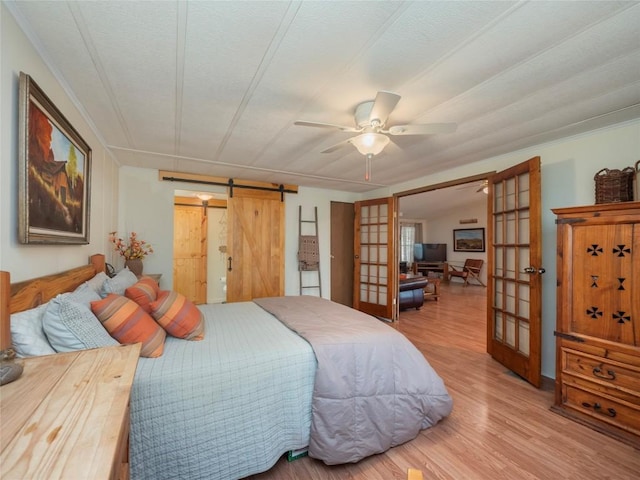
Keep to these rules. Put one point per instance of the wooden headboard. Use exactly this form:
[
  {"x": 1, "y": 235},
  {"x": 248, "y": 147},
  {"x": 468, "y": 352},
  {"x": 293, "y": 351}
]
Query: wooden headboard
[{"x": 31, "y": 293}]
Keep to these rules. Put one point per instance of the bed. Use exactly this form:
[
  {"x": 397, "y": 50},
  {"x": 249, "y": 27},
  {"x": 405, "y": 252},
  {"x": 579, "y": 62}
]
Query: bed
[{"x": 270, "y": 376}]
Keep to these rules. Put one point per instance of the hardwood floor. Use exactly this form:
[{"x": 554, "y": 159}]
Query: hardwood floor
[{"x": 500, "y": 427}]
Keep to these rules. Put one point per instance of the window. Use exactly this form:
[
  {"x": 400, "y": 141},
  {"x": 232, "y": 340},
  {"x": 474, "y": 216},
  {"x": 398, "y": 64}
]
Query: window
[{"x": 407, "y": 239}]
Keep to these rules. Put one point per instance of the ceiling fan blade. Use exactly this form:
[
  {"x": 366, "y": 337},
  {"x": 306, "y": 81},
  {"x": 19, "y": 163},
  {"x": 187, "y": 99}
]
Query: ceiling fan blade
[
  {"x": 337, "y": 146},
  {"x": 326, "y": 125},
  {"x": 383, "y": 105},
  {"x": 422, "y": 129},
  {"x": 484, "y": 185}
]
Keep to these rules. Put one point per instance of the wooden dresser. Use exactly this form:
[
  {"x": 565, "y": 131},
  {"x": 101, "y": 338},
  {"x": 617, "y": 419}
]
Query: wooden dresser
[
  {"x": 67, "y": 416},
  {"x": 598, "y": 318}
]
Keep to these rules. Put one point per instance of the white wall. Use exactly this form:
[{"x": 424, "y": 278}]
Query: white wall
[
  {"x": 440, "y": 230},
  {"x": 146, "y": 204},
  {"x": 309, "y": 198},
  {"x": 27, "y": 261},
  {"x": 568, "y": 169},
  {"x": 216, "y": 260}
]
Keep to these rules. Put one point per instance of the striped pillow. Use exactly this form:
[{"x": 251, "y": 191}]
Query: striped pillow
[
  {"x": 178, "y": 315},
  {"x": 143, "y": 292},
  {"x": 128, "y": 323}
]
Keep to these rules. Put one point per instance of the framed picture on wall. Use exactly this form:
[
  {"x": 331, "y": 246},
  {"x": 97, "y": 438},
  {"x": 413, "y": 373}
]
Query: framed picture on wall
[
  {"x": 54, "y": 184},
  {"x": 468, "y": 240}
]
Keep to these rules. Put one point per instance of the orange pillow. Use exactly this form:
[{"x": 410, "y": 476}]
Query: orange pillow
[
  {"x": 178, "y": 315},
  {"x": 128, "y": 323},
  {"x": 143, "y": 292}
]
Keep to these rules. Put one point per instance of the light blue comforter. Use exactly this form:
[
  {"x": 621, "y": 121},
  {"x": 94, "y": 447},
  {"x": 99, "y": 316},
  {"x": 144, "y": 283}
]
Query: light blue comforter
[{"x": 226, "y": 407}]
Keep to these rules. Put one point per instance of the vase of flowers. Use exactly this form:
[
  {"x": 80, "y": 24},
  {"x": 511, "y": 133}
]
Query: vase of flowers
[{"x": 133, "y": 250}]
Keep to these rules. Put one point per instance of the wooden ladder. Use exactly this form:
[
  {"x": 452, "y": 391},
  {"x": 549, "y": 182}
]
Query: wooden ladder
[{"x": 309, "y": 254}]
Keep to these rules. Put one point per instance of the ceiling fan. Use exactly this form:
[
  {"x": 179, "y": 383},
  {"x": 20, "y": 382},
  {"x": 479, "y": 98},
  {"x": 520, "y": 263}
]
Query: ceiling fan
[
  {"x": 370, "y": 123},
  {"x": 483, "y": 186}
]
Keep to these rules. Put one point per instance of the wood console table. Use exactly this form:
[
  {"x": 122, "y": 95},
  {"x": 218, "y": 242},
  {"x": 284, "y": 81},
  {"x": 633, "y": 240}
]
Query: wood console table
[
  {"x": 437, "y": 267},
  {"x": 67, "y": 416}
]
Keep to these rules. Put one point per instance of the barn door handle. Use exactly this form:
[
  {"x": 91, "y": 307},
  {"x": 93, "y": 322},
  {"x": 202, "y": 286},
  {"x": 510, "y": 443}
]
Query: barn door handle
[{"x": 229, "y": 268}]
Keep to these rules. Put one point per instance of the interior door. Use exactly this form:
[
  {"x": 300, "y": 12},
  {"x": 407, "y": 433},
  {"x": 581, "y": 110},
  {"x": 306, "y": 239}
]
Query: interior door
[
  {"x": 375, "y": 278},
  {"x": 514, "y": 260},
  {"x": 255, "y": 247},
  {"x": 190, "y": 251},
  {"x": 342, "y": 221}
]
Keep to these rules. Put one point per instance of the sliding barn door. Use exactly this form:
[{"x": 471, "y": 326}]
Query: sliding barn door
[
  {"x": 255, "y": 247},
  {"x": 374, "y": 252},
  {"x": 515, "y": 258}
]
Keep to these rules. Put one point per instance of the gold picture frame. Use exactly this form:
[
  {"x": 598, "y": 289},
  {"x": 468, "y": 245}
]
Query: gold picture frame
[{"x": 54, "y": 184}]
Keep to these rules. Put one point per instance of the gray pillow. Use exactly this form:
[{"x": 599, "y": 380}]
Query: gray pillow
[
  {"x": 71, "y": 326},
  {"x": 84, "y": 294},
  {"x": 96, "y": 282},
  {"x": 118, "y": 284}
]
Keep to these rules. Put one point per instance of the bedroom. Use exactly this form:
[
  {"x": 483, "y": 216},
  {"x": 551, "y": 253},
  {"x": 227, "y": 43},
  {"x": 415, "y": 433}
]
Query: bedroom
[{"x": 126, "y": 197}]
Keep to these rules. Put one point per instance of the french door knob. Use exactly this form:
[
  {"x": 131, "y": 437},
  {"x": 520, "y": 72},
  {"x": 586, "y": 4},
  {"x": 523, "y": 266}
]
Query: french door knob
[{"x": 534, "y": 270}]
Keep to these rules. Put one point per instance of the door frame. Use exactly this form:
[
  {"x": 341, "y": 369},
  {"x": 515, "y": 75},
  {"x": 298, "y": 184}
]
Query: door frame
[{"x": 424, "y": 189}]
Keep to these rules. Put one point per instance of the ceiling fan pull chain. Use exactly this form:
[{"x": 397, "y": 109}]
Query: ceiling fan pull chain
[{"x": 367, "y": 168}]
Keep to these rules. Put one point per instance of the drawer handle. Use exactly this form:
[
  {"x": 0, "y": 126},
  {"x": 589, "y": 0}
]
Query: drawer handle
[
  {"x": 611, "y": 412},
  {"x": 610, "y": 375}
]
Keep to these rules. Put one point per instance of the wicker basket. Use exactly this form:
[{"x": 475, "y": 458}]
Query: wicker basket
[{"x": 614, "y": 185}]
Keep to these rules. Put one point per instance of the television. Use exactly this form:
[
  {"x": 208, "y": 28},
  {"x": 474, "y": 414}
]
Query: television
[{"x": 430, "y": 252}]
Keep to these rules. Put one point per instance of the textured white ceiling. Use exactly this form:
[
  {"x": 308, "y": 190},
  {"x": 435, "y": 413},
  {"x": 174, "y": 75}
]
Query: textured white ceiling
[{"x": 215, "y": 87}]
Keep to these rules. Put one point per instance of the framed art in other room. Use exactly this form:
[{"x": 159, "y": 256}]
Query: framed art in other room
[{"x": 468, "y": 240}]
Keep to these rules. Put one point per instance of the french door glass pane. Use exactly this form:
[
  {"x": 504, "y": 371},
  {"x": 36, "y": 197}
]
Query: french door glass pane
[
  {"x": 364, "y": 215},
  {"x": 523, "y": 227},
  {"x": 524, "y": 262},
  {"x": 523, "y": 341},
  {"x": 510, "y": 334},
  {"x": 511, "y": 228},
  {"x": 510, "y": 306},
  {"x": 497, "y": 321}
]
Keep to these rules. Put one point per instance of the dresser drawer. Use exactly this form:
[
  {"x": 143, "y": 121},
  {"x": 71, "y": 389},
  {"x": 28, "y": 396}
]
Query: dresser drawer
[
  {"x": 600, "y": 370},
  {"x": 601, "y": 408}
]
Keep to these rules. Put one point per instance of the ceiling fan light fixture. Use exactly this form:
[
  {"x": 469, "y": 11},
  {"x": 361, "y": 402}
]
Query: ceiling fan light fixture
[
  {"x": 370, "y": 143},
  {"x": 485, "y": 190}
]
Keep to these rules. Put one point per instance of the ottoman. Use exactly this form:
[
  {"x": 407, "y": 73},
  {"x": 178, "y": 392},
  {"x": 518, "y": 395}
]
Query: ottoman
[{"x": 412, "y": 292}]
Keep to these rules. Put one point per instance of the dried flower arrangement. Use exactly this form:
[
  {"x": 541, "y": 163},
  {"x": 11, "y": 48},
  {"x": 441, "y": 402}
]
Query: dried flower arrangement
[{"x": 132, "y": 249}]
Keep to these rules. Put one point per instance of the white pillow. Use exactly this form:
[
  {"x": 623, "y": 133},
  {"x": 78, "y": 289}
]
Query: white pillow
[
  {"x": 27, "y": 335},
  {"x": 118, "y": 284},
  {"x": 72, "y": 326},
  {"x": 96, "y": 282}
]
